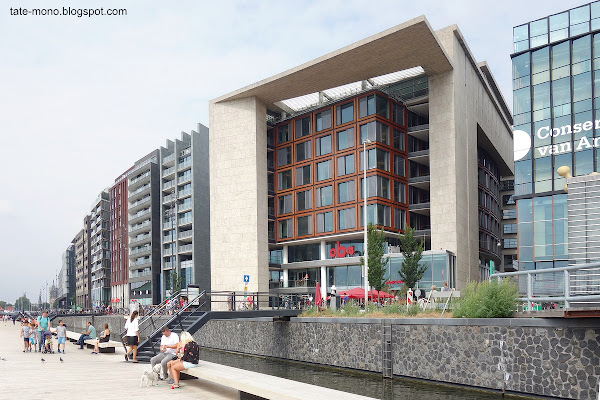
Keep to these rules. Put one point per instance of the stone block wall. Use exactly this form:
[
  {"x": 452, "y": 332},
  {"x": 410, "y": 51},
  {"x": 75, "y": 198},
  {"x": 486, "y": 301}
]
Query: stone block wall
[{"x": 559, "y": 358}]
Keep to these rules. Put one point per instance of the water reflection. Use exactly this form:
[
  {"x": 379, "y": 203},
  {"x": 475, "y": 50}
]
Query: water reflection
[{"x": 365, "y": 384}]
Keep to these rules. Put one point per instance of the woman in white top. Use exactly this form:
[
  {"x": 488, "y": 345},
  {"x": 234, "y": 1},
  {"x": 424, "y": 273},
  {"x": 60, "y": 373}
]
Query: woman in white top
[{"x": 133, "y": 335}]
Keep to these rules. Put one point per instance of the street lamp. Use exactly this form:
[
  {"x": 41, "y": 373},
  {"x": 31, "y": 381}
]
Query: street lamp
[{"x": 365, "y": 221}]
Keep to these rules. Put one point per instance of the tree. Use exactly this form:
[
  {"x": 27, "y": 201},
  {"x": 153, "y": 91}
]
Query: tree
[
  {"x": 3, "y": 304},
  {"x": 22, "y": 303},
  {"x": 412, "y": 250},
  {"x": 175, "y": 281},
  {"x": 375, "y": 250}
]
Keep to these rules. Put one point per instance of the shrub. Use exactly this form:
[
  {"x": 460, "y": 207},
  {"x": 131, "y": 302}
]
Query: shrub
[
  {"x": 413, "y": 309},
  {"x": 352, "y": 309},
  {"x": 487, "y": 300}
]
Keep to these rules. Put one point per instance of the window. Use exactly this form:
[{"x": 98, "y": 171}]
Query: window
[
  {"x": 399, "y": 165},
  {"x": 399, "y": 192},
  {"x": 303, "y": 151},
  {"x": 398, "y": 140},
  {"x": 344, "y": 113},
  {"x": 510, "y": 228},
  {"x": 509, "y": 214},
  {"x": 304, "y": 200},
  {"x": 398, "y": 113},
  {"x": 325, "y": 222},
  {"x": 323, "y": 120},
  {"x": 510, "y": 243},
  {"x": 324, "y": 196},
  {"x": 303, "y": 175},
  {"x": 322, "y": 145},
  {"x": 347, "y": 218},
  {"x": 372, "y": 104},
  {"x": 304, "y": 225},
  {"x": 324, "y": 170},
  {"x": 285, "y": 229},
  {"x": 302, "y": 127},
  {"x": 284, "y": 156},
  {"x": 375, "y": 131},
  {"x": 377, "y": 214},
  {"x": 284, "y": 180},
  {"x": 345, "y": 165},
  {"x": 399, "y": 218},
  {"x": 376, "y": 186},
  {"x": 377, "y": 158},
  {"x": 284, "y": 204},
  {"x": 283, "y": 133},
  {"x": 346, "y": 191},
  {"x": 345, "y": 139}
]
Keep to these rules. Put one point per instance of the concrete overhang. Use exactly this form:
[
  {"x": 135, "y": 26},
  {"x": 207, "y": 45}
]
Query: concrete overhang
[{"x": 404, "y": 46}]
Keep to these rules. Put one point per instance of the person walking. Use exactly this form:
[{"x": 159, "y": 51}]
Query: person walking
[
  {"x": 168, "y": 350},
  {"x": 133, "y": 335},
  {"x": 25, "y": 331},
  {"x": 189, "y": 358},
  {"x": 61, "y": 334},
  {"x": 44, "y": 325}
]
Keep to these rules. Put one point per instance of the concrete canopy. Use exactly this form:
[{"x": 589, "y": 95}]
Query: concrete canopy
[{"x": 404, "y": 46}]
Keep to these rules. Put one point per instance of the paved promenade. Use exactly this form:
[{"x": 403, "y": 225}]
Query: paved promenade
[{"x": 83, "y": 375}]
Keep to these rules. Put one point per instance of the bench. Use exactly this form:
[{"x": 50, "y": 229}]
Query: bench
[
  {"x": 253, "y": 385},
  {"x": 107, "y": 347}
]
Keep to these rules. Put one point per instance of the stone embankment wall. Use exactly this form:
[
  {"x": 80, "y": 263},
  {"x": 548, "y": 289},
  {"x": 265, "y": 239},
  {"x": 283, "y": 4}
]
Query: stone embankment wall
[{"x": 559, "y": 358}]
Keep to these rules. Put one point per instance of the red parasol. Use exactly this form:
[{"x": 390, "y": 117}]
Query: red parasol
[{"x": 318, "y": 298}]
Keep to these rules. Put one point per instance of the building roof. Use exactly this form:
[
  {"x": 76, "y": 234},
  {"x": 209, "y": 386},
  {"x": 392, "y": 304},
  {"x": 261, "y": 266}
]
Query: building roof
[{"x": 408, "y": 45}]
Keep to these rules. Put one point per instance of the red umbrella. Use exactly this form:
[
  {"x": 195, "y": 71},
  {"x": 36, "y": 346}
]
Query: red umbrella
[
  {"x": 318, "y": 299},
  {"x": 380, "y": 294},
  {"x": 356, "y": 293}
]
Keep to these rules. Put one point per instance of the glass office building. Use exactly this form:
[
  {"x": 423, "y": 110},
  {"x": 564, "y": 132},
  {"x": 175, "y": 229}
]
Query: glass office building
[{"x": 556, "y": 111}]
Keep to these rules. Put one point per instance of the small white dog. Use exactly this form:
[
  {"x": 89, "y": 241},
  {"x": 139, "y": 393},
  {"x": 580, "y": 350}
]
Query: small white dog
[{"x": 150, "y": 378}]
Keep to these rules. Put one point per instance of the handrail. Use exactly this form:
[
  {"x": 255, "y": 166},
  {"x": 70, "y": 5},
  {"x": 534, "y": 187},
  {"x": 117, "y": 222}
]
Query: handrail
[{"x": 162, "y": 306}]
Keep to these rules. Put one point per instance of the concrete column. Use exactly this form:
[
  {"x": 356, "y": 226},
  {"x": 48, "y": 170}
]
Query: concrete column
[
  {"x": 284, "y": 261},
  {"x": 323, "y": 282},
  {"x": 285, "y": 277}
]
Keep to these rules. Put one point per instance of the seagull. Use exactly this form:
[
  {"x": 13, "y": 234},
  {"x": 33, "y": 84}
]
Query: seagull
[
  {"x": 43, "y": 360},
  {"x": 61, "y": 360}
]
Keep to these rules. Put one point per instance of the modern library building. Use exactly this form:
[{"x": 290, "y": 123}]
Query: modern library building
[
  {"x": 556, "y": 77},
  {"x": 288, "y": 157}
]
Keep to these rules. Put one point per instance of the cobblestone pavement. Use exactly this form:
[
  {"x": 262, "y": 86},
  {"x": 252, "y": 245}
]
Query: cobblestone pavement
[{"x": 83, "y": 375}]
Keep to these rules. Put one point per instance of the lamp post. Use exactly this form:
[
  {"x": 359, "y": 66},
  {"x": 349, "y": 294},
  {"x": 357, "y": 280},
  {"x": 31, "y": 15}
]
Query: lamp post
[{"x": 365, "y": 221}]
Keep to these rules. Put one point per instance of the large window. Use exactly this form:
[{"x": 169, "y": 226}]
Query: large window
[
  {"x": 344, "y": 113},
  {"x": 302, "y": 127},
  {"x": 398, "y": 113},
  {"x": 399, "y": 192},
  {"x": 303, "y": 151},
  {"x": 345, "y": 165},
  {"x": 324, "y": 170},
  {"x": 324, "y": 196},
  {"x": 347, "y": 218},
  {"x": 345, "y": 139},
  {"x": 375, "y": 131},
  {"x": 346, "y": 191},
  {"x": 283, "y": 134},
  {"x": 322, "y": 145},
  {"x": 376, "y": 186},
  {"x": 323, "y": 120},
  {"x": 284, "y": 179},
  {"x": 285, "y": 228},
  {"x": 372, "y": 104},
  {"x": 304, "y": 225},
  {"x": 284, "y": 156},
  {"x": 377, "y": 158},
  {"x": 325, "y": 222},
  {"x": 398, "y": 140},
  {"x": 284, "y": 204},
  {"x": 377, "y": 214},
  {"x": 399, "y": 218},
  {"x": 303, "y": 175},
  {"x": 304, "y": 200},
  {"x": 399, "y": 165}
]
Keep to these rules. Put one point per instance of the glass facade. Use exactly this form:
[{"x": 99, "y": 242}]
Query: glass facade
[{"x": 556, "y": 96}]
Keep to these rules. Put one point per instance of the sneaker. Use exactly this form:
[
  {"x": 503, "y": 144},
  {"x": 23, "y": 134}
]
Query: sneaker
[
  {"x": 170, "y": 381},
  {"x": 126, "y": 358},
  {"x": 93, "y": 352}
]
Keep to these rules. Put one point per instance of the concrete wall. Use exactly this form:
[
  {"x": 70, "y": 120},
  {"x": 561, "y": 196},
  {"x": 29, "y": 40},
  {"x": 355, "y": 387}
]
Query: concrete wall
[
  {"x": 238, "y": 195},
  {"x": 560, "y": 359}
]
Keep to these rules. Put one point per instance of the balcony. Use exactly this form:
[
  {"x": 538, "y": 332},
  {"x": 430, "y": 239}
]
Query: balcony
[
  {"x": 185, "y": 234},
  {"x": 141, "y": 239},
  {"x": 421, "y": 182},
  {"x": 186, "y": 205},
  {"x": 169, "y": 160},
  {"x": 167, "y": 252},
  {"x": 140, "y": 250},
  {"x": 185, "y": 192},
  {"x": 419, "y": 131},
  {"x": 168, "y": 238},
  {"x": 185, "y": 221},
  {"x": 136, "y": 194},
  {"x": 136, "y": 182},
  {"x": 420, "y": 208},
  {"x": 137, "y": 227},
  {"x": 169, "y": 225},
  {"x": 185, "y": 178},
  {"x": 168, "y": 172},
  {"x": 184, "y": 165},
  {"x": 421, "y": 157},
  {"x": 134, "y": 207},
  {"x": 169, "y": 198},
  {"x": 168, "y": 185},
  {"x": 139, "y": 215},
  {"x": 185, "y": 248},
  {"x": 138, "y": 263}
]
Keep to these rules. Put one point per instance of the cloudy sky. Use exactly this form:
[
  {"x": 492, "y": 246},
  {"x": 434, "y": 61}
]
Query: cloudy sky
[{"x": 82, "y": 98}]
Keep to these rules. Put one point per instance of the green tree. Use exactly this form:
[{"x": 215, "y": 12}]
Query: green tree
[
  {"x": 22, "y": 303},
  {"x": 3, "y": 304},
  {"x": 375, "y": 250},
  {"x": 412, "y": 250},
  {"x": 175, "y": 281}
]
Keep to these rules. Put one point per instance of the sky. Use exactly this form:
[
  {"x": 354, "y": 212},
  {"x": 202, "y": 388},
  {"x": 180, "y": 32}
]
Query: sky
[{"x": 82, "y": 98}]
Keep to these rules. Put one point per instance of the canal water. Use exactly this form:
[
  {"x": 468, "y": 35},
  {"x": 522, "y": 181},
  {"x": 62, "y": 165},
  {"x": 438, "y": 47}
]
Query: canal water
[{"x": 366, "y": 384}]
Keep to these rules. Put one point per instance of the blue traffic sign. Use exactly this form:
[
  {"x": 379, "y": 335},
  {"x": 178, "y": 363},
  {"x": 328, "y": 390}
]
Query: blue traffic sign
[{"x": 246, "y": 278}]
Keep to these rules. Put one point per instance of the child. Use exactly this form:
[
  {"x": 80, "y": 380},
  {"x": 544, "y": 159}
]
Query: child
[
  {"x": 25, "y": 330},
  {"x": 61, "y": 333},
  {"x": 32, "y": 342},
  {"x": 48, "y": 343}
]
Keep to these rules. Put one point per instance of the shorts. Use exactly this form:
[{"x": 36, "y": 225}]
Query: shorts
[
  {"x": 26, "y": 339},
  {"x": 61, "y": 340},
  {"x": 132, "y": 340},
  {"x": 32, "y": 340},
  {"x": 188, "y": 365}
]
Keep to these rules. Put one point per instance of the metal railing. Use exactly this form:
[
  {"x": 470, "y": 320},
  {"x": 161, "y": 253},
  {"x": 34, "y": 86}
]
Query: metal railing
[{"x": 566, "y": 285}]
